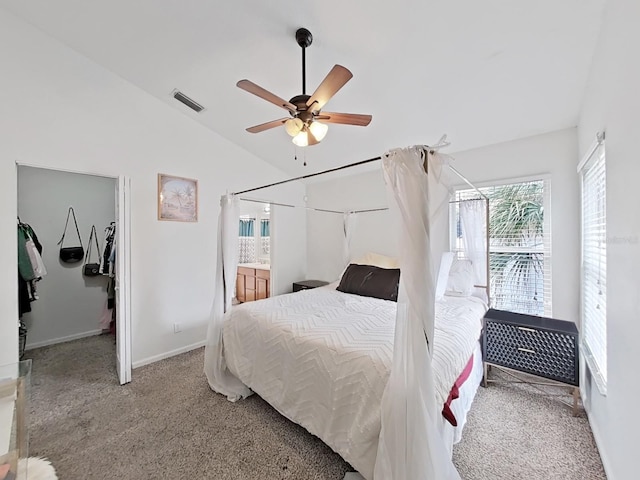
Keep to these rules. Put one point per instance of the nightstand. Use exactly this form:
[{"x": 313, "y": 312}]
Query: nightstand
[
  {"x": 544, "y": 347},
  {"x": 308, "y": 284}
]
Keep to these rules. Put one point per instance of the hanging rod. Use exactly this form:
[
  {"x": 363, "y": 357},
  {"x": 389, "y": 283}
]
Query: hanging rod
[
  {"x": 440, "y": 144},
  {"x": 381, "y": 209},
  {"x": 313, "y": 208},
  {"x": 362, "y": 162},
  {"x": 289, "y": 205}
]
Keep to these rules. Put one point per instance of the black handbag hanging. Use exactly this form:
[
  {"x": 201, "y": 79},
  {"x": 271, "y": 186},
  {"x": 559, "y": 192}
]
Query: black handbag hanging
[
  {"x": 71, "y": 254},
  {"x": 92, "y": 269}
]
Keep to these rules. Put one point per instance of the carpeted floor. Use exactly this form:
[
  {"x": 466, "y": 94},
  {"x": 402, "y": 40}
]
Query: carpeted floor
[{"x": 168, "y": 424}]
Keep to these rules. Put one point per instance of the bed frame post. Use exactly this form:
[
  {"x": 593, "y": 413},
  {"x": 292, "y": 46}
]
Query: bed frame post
[{"x": 488, "y": 280}]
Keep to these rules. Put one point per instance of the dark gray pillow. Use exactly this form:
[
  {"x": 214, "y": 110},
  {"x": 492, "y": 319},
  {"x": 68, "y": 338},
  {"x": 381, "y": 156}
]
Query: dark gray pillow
[{"x": 370, "y": 281}]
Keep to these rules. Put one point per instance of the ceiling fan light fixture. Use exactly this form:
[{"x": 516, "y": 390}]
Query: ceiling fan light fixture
[
  {"x": 301, "y": 139},
  {"x": 293, "y": 126},
  {"x": 318, "y": 130}
]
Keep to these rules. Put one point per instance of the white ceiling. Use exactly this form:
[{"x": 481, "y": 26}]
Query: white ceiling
[{"x": 482, "y": 71}]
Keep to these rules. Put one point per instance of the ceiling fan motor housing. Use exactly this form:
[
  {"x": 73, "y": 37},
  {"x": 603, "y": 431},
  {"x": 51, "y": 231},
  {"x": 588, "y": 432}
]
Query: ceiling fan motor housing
[
  {"x": 304, "y": 113},
  {"x": 304, "y": 37}
]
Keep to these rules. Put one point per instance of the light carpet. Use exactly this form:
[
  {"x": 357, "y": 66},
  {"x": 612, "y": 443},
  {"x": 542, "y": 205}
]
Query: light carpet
[{"x": 168, "y": 424}]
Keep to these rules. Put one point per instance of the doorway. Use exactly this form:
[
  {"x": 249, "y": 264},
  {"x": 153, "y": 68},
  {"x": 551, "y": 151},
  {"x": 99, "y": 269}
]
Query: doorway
[
  {"x": 70, "y": 302},
  {"x": 253, "y": 280}
]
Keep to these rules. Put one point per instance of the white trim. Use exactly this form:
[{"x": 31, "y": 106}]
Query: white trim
[
  {"x": 123, "y": 278},
  {"x": 595, "y": 430},
  {"x": 503, "y": 181},
  {"x": 594, "y": 370},
  {"x": 65, "y": 170},
  {"x": 68, "y": 338},
  {"x": 169, "y": 354}
]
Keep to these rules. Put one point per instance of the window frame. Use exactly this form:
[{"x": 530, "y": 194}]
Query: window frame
[
  {"x": 597, "y": 367},
  {"x": 546, "y": 179}
]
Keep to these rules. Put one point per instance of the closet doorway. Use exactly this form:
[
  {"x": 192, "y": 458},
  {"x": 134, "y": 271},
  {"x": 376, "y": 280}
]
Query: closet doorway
[{"x": 69, "y": 302}]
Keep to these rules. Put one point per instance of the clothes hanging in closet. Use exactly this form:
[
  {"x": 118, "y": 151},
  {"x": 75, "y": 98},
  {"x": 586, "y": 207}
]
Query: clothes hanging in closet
[
  {"x": 106, "y": 266},
  {"x": 30, "y": 266}
]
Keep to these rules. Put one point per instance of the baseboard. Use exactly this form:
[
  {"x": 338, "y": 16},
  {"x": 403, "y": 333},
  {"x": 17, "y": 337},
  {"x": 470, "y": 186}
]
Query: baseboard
[
  {"x": 169, "y": 354},
  {"x": 53, "y": 341},
  {"x": 595, "y": 430}
]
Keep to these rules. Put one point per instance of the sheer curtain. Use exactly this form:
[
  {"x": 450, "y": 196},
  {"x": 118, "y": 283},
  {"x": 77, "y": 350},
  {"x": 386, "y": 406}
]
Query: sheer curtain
[
  {"x": 410, "y": 445},
  {"x": 473, "y": 217},
  {"x": 215, "y": 367},
  {"x": 348, "y": 224}
]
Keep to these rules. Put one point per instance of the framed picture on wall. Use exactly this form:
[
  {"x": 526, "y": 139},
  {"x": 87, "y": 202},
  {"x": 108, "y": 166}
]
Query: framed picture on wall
[{"x": 177, "y": 198}]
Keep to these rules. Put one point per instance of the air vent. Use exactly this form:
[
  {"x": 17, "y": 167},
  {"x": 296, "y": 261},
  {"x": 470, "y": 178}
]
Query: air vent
[{"x": 181, "y": 97}]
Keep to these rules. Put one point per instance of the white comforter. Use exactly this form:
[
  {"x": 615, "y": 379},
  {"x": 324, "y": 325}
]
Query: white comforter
[{"x": 322, "y": 359}]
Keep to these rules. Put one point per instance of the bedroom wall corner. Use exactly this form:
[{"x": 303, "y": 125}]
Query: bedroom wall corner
[
  {"x": 611, "y": 104},
  {"x": 552, "y": 155},
  {"x": 372, "y": 232}
]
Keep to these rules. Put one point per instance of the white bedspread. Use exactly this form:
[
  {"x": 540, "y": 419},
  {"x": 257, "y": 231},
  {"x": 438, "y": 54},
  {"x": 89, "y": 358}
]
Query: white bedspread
[{"x": 322, "y": 359}]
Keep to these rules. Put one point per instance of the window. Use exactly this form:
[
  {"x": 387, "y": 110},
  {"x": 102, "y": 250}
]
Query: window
[
  {"x": 247, "y": 240},
  {"x": 519, "y": 245},
  {"x": 265, "y": 238},
  {"x": 254, "y": 244},
  {"x": 594, "y": 264}
]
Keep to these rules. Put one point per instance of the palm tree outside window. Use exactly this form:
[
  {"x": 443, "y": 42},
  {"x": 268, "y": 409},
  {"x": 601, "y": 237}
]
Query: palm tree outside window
[{"x": 519, "y": 245}]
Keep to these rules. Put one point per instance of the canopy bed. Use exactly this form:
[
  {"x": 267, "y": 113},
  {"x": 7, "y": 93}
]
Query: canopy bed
[{"x": 372, "y": 373}]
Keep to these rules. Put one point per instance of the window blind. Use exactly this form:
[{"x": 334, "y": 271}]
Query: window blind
[
  {"x": 519, "y": 245},
  {"x": 594, "y": 266}
]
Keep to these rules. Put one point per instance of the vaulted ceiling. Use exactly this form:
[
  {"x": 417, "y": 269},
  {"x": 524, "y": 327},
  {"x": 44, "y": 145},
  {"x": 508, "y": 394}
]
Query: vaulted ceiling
[{"x": 481, "y": 71}]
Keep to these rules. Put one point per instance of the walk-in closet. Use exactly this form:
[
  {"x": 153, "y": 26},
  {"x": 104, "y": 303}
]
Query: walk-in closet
[{"x": 67, "y": 294}]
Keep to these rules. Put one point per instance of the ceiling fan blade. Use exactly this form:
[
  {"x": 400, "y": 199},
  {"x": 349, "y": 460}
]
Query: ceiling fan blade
[
  {"x": 266, "y": 126},
  {"x": 334, "y": 81},
  {"x": 258, "y": 91},
  {"x": 345, "y": 118}
]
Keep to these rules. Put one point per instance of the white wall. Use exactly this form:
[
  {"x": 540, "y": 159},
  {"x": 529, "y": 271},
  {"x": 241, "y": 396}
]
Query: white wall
[
  {"x": 63, "y": 111},
  {"x": 553, "y": 154},
  {"x": 612, "y": 103},
  {"x": 372, "y": 231},
  {"x": 288, "y": 248},
  {"x": 69, "y": 304}
]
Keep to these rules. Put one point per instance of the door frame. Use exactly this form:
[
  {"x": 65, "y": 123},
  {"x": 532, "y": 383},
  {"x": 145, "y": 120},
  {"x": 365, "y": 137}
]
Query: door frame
[{"x": 122, "y": 195}]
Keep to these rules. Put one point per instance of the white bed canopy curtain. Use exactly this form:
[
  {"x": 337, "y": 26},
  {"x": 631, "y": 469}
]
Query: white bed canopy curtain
[
  {"x": 410, "y": 446},
  {"x": 473, "y": 217},
  {"x": 348, "y": 223},
  {"x": 215, "y": 367}
]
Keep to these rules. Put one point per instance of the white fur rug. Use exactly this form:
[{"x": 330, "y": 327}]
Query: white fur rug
[{"x": 36, "y": 469}]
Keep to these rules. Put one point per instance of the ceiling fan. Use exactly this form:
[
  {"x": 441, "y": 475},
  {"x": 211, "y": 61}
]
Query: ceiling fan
[{"x": 304, "y": 123}]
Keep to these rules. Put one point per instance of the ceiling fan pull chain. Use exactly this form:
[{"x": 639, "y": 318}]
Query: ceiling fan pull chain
[{"x": 305, "y": 158}]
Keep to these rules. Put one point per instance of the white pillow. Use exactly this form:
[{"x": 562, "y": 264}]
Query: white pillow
[
  {"x": 460, "y": 283},
  {"x": 377, "y": 260},
  {"x": 443, "y": 274}
]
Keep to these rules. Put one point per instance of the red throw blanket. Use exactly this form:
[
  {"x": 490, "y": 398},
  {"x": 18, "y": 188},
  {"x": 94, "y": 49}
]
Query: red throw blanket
[{"x": 455, "y": 393}]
